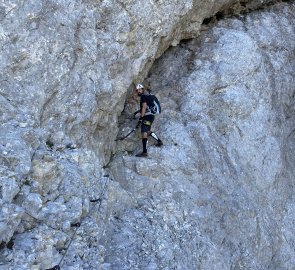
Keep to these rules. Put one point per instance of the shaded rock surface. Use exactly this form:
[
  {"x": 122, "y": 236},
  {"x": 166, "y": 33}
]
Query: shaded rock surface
[{"x": 218, "y": 195}]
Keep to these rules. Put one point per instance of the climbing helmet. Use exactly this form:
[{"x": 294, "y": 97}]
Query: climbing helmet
[{"x": 139, "y": 86}]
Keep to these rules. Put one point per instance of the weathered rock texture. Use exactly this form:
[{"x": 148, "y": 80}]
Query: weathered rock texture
[
  {"x": 66, "y": 65},
  {"x": 219, "y": 195}
]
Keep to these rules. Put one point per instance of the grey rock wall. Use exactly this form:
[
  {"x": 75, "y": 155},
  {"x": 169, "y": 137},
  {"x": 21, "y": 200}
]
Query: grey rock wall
[
  {"x": 219, "y": 194},
  {"x": 65, "y": 71},
  {"x": 66, "y": 65}
]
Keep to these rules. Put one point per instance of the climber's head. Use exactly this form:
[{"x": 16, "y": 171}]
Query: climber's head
[{"x": 139, "y": 89}]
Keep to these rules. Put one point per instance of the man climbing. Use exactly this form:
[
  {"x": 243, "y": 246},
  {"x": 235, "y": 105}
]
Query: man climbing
[{"x": 146, "y": 119}]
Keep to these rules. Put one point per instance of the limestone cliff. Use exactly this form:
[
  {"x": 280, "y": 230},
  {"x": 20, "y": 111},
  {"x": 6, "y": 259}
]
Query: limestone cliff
[{"x": 218, "y": 195}]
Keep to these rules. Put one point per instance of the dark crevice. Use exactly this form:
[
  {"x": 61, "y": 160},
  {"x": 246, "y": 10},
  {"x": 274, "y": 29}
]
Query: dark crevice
[
  {"x": 207, "y": 20},
  {"x": 241, "y": 8},
  {"x": 220, "y": 15}
]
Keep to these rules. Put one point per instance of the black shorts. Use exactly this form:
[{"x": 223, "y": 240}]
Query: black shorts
[{"x": 147, "y": 122}]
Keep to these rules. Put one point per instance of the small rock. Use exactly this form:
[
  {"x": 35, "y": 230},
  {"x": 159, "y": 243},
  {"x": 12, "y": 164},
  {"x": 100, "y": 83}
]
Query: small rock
[{"x": 23, "y": 125}]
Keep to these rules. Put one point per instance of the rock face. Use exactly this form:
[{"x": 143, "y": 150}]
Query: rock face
[
  {"x": 65, "y": 62},
  {"x": 218, "y": 195}
]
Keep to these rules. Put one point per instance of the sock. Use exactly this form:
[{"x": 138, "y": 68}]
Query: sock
[
  {"x": 144, "y": 145},
  {"x": 153, "y": 134}
]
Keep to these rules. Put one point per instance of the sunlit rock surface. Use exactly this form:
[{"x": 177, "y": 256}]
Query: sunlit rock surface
[{"x": 218, "y": 195}]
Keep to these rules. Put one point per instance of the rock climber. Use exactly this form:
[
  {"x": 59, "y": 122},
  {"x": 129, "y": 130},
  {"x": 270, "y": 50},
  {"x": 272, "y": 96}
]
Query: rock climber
[{"x": 146, "y": 119}]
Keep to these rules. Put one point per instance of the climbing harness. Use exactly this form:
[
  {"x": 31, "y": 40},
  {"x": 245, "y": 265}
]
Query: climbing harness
[{"x": 147, "y": 123}]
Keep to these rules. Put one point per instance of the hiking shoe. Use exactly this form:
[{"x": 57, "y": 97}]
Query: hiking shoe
[
  {"x": 142, "y": 155},
  {"x": 159, "y": 143}
]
